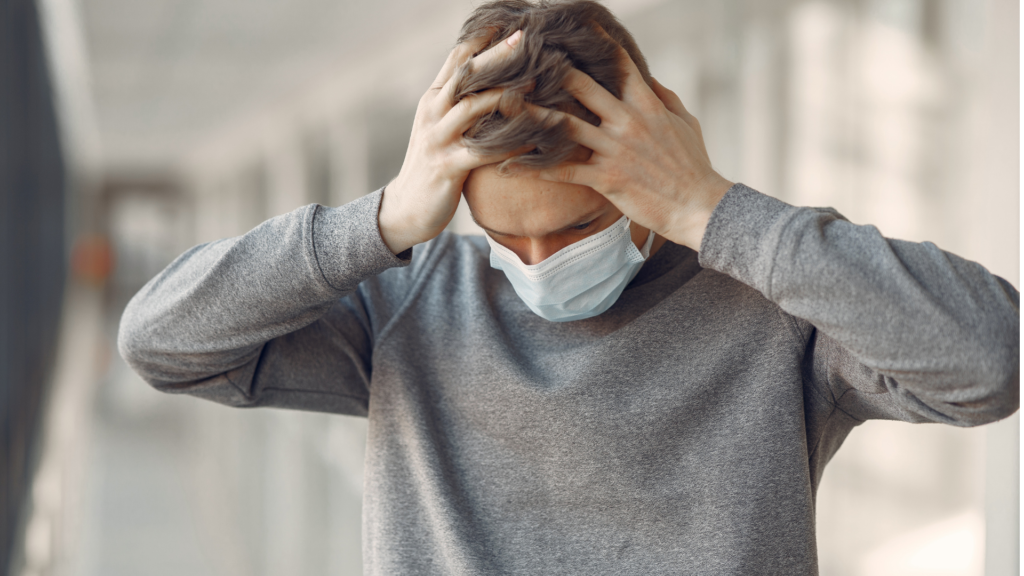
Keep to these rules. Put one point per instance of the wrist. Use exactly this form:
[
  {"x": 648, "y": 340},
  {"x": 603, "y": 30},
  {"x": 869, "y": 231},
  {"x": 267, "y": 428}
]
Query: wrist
[
  {"x": 392, "y": 226},
  {"x": 691, "y": 219}
]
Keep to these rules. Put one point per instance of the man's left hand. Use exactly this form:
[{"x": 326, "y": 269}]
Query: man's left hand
[{"x": 648, "y": 156}]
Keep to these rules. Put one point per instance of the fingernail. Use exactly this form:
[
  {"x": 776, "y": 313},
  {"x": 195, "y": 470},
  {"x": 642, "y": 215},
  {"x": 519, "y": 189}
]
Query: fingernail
[{"x": 514, "y": 38}]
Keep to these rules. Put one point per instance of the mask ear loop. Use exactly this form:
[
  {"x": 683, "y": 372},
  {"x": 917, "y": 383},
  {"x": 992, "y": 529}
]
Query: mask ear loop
[{"x": 646, "y": 250}]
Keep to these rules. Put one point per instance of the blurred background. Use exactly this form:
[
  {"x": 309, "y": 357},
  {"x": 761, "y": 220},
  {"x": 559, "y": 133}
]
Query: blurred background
[{"x": 133, "y": 129}]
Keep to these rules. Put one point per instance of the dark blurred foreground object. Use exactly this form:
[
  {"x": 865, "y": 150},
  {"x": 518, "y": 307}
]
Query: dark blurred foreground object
[{"x": 32, "y": 185}]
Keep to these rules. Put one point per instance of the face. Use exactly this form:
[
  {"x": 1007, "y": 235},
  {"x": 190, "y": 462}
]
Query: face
[{"x": 535, "y": 218}]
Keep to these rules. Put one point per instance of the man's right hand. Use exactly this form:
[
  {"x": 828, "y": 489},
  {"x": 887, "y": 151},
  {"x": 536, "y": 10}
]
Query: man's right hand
[{"x": 420, "y": 202}]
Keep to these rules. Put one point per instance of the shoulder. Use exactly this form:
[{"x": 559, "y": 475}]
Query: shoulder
[
  {"x": 744, "y": 308},
  {"x": 447, "y": 259},
  {"x": 448, "y": 251}
]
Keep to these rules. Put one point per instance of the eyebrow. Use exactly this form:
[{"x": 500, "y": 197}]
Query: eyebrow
[{"x": 585, "y": 219}]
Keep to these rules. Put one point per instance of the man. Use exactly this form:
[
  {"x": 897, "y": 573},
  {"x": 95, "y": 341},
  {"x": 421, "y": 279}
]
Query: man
[{"x": 642, "y": 369}]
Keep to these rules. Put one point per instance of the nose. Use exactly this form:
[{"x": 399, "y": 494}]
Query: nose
[{"x": 536, "y": 250}]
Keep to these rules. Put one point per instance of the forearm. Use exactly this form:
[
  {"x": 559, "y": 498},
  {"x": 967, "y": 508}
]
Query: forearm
[
  {"x": 938, "y": 324},
  {"x": 214, "y": 307}
]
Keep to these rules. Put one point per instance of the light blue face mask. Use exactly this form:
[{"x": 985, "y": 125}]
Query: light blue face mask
[{"x": 579, "y": 281}]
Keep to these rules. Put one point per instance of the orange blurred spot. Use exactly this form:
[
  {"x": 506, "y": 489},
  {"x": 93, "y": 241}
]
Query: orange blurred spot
[{"x": 92, "y": 259}]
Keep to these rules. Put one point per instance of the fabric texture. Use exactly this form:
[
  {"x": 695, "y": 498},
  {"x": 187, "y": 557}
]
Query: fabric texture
[{"x": 683, "y": 431}]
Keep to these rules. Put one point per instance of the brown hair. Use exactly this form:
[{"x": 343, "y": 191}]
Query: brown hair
[{"x": 558, "y": 35}]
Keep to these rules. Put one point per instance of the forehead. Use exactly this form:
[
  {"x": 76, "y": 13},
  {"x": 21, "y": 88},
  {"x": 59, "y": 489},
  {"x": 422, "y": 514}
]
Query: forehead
[{"x": 526, "y": 206}]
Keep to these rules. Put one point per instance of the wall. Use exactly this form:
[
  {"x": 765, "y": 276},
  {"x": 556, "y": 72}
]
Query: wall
[{"x": 899, "y": 113}]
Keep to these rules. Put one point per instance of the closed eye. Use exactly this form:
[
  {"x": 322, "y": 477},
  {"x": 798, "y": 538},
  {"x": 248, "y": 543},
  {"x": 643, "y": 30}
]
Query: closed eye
[{"x": 582, "y": 227}]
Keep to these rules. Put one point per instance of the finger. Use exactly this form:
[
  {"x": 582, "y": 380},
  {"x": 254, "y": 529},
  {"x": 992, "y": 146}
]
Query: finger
[
  {"x": 457, "y": 56},
  {"x": 675, "y": 106},
  {"x": 463, "y": 115},
  {"x": 491, "y": 55},
  {"x": 467, "y": 160},
  {"x": 581, "y": 131},
  {"x": 570, "y": 172},
  {"x": 669, "y": 99},
  {"x": 634, "y": 80},
  {"x": 498, "y": 51},
  {"x": 592, "y": 95}
]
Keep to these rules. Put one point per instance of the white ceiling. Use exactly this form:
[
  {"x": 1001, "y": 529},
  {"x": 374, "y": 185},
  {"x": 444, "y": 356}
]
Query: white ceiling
[{"x": 166, "y": 72}]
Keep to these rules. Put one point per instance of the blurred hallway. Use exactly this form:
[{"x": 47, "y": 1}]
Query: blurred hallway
[{"x": 185, "y": 121}]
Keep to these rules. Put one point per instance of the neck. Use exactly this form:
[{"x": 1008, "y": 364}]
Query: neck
[{"x": 659, "y": 241}]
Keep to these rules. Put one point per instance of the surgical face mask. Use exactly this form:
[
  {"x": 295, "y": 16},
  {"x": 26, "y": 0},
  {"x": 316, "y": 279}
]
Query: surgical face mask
[{"x": 579, "y": 281}]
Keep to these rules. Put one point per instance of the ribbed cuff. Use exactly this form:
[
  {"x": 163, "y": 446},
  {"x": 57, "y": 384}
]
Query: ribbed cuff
[
  {"x": 743, "y": 235},
  {"x": 348, "y": 245}
]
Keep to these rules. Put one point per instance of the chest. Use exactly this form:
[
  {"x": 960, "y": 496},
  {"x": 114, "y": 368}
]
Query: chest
[{"x": 707, "y": 368}]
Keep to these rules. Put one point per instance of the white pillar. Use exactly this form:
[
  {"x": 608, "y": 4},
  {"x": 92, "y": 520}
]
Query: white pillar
[
  {"x": 286, "y": 175},
  {"x": 996, "y": 207},
  {"x": 350, "y": 158},
  {"x": 762, "y": 108},
  {"x": 286, "y": 521}
]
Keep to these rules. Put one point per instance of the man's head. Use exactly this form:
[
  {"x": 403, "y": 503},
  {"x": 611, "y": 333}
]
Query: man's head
[
  {"x": 532, "y": 217},
  {"x": 558, "y": 35}
]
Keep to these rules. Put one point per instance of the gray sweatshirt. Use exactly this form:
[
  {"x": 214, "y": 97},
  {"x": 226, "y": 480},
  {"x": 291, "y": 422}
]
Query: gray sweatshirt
[{"x": 683, "y": 431}]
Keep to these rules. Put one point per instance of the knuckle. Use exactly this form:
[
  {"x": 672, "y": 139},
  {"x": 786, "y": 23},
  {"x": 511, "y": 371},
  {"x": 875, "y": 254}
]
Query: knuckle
[
  {"x": 425, "y": 117},
  {"x": 582, "y": 86},
  {"x": 650, "y": 105},
  {"x": 611, "y": 179},
  {"x": 431, "y": 140},
  {"x": 633, "y": 126},
  {"x": 465, "y": 106},
  {"x": 574, "y": 81},
  {"x": 419, "y": 122}
]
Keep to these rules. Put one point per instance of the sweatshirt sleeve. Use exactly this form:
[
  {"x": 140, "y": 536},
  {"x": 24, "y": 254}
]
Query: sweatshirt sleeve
[
  {"x": 266, "y": 318},
  {"x": 895, "y": 330}
]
